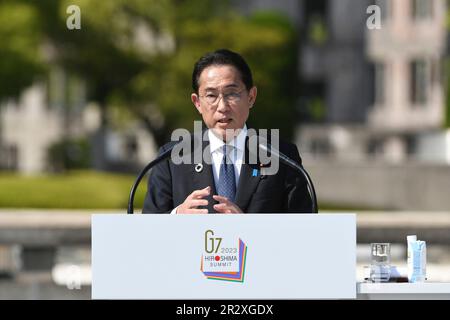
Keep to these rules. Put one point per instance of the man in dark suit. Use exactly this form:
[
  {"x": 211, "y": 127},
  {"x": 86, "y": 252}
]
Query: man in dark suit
[{"x": 224, "y": 94}]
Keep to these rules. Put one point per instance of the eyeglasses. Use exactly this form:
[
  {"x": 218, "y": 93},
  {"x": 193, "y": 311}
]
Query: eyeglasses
[{"x": 213, "y": 98}]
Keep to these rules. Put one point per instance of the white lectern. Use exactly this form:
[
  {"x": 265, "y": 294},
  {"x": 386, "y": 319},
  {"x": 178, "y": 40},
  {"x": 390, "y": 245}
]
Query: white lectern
[{"x": 246, "y": 256}]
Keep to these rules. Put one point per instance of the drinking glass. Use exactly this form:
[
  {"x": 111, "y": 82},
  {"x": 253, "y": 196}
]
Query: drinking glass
[{"x": 380, "y": 267}]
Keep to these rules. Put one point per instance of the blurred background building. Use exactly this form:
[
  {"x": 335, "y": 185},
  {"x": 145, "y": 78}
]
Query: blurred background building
[{"x": 384, "y": 89}]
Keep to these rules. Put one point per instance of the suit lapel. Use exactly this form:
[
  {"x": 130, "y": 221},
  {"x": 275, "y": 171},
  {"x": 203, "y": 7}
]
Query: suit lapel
[
  {"x": 205, "y": 177},
  {"x": 248, "y": 181}
]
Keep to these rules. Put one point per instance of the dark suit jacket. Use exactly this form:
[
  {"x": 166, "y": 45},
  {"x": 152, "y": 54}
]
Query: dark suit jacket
[{"x": 284, "y": 192}]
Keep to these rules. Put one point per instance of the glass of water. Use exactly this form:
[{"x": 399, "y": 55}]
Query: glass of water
[{"x": 380, "y": 267}]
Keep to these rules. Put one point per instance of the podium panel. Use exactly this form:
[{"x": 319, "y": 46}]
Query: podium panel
[{"x": 215, "y": 256}]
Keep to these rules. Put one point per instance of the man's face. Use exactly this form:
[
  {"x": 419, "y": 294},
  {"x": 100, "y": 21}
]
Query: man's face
[{"x": 223, "y": 100}]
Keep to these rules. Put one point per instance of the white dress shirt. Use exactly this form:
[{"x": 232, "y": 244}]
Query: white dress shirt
[{"x": 236, "y": 155}]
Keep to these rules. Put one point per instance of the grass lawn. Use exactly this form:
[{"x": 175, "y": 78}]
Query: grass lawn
[
  {"x": 85, "y": 190},
  {"x": 73, "y": 190}
]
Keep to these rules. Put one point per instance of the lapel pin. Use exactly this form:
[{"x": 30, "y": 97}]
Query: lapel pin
[
  {"x": 199, "y": 167},
  {"x": 255, "y": 173},
  {"x": 263, "y": 168}
]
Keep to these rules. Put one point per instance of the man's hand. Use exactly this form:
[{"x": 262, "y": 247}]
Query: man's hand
[
  {"x": 194, "y": 200},
  {"x": 225, "y": 205}
]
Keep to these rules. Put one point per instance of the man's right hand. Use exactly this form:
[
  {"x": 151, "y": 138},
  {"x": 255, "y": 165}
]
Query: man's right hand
[{"x": 194, "y": 200}]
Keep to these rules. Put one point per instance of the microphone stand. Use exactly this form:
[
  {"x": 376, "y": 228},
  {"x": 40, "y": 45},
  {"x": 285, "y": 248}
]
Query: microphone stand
[{"x": 160, "y": 158}]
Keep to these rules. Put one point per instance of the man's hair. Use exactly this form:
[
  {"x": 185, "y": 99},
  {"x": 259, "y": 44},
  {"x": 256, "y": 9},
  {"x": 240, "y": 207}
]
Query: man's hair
[{"x": 222, "y": 57}]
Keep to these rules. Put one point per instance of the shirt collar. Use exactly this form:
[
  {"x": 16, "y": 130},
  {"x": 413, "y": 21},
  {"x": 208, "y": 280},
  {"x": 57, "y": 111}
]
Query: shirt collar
[{"x": 238, "y": 142}]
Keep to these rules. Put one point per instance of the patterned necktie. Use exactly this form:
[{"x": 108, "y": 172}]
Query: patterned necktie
[{"x": 227, "y": 183}]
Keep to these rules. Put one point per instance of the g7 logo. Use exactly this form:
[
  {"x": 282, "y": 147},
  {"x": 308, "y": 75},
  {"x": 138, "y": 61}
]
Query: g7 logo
[{"x": 211, "y": 244}]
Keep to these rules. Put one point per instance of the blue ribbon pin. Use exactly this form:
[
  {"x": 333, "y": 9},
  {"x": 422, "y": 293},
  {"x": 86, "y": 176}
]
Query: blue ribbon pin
[{"x": 255, "y": 173}]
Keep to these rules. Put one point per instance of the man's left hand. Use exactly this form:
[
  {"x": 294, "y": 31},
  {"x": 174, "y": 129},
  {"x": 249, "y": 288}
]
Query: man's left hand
[{"x": 225, "y": 205}]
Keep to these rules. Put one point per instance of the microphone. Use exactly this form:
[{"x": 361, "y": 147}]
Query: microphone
[
  {"x": 163, "y": 156},
  {"x": 266, "y": 146}
]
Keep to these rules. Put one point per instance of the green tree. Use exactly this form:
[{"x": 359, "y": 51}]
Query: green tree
[
  {"x": 447, "y": 93},
  {"x": 447, "y": 74},
  {"x": 137, "y": 56},
  {"x": 21, "y": 61},
  {"x": 154, "y": 84},
  {"x": 108, "y": 52},
  {"x": 266, "y": 40}
]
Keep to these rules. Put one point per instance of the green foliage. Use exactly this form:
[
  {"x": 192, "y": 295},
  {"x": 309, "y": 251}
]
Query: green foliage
[
  {"x": 447, "y": 100},
  {"x": 318, "y": 33},
  {"x": 447, "y": 16},
  {"x": 266, "y": 40},
  {"x": 316, "y": 108},
  {"x": 69, "y": 154},
  {"x": 446, "y": 63},
  {"x": 73, "y": 190},
  {"x": 151, "y": 78},
  {"x": 155, "y": 85},
  {"x": 20, "y": 58}
]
